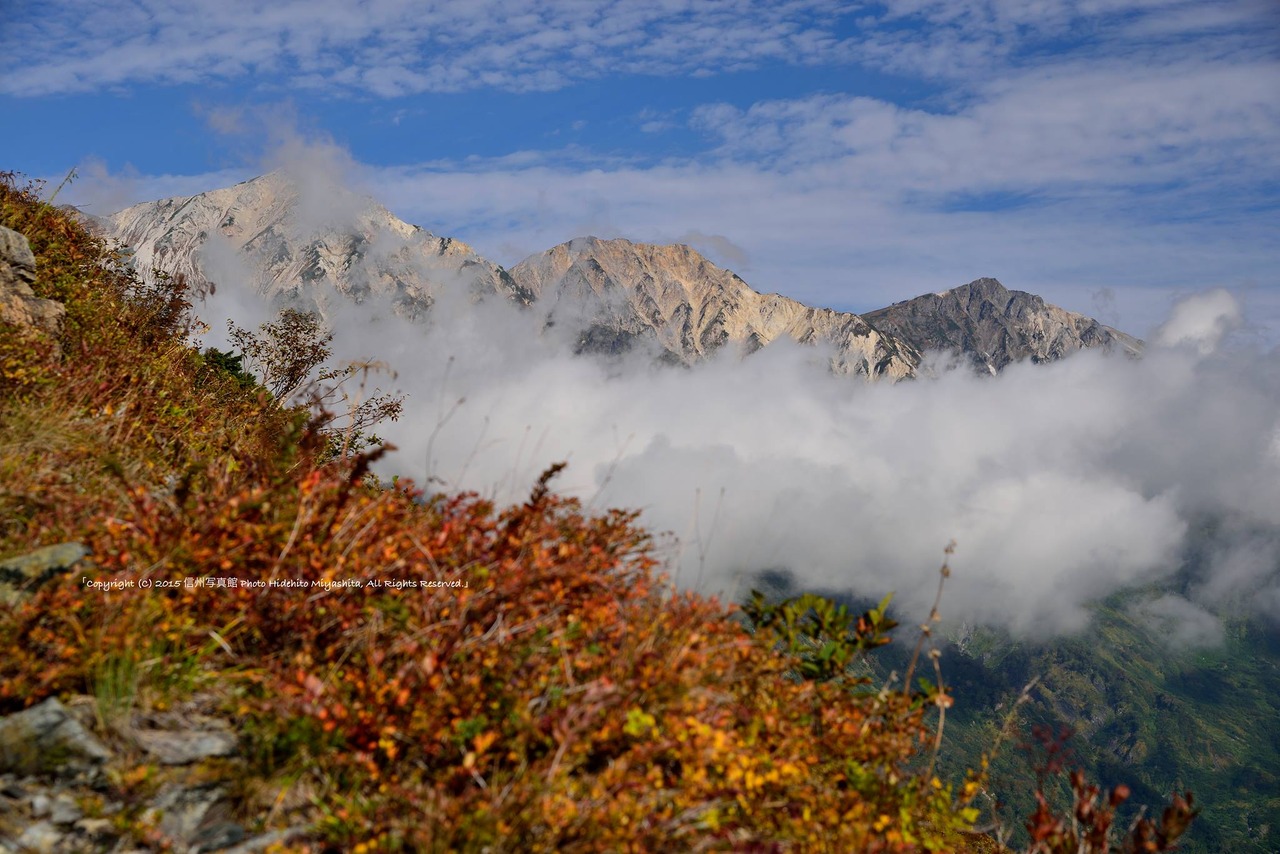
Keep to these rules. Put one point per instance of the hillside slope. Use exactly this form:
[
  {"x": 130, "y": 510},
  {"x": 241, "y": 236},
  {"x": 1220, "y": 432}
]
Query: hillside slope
[{"x": 1151, "y": 715}]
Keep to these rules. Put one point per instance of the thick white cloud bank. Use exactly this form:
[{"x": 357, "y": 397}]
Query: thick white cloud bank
[{"x": 1061, "y": 483}]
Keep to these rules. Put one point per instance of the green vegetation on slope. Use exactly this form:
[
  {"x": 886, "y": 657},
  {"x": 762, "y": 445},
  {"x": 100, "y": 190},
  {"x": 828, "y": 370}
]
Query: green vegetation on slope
[{"x": 1145, "y": 714}]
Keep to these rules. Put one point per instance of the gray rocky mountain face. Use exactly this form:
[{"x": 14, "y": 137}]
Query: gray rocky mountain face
[
  {"x": 612, "y": 295},
  {"x": 994, "y": 326},
  {"x": 618, "y": 292},
  {"x": 286, "y": 240}
]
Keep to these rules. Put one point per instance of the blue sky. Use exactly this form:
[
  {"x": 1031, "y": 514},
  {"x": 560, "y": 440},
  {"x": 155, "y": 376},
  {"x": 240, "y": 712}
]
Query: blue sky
[{"x": 1111, "y": 155}]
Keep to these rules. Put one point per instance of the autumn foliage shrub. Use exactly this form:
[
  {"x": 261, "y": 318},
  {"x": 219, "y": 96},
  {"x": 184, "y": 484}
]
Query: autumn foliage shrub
[
  {"x": 562, "y": 694},
  {"x": 438, "y": 674}
]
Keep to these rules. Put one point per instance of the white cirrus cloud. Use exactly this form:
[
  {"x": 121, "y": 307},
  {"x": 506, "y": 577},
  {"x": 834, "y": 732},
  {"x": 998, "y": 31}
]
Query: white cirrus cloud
[{"x": 391, "y": 47}]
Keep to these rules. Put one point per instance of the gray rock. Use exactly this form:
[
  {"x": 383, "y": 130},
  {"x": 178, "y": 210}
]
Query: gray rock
[
  {"x": 41, "y": 805},
  {"x": 22, "y": 575},
  {"x": 218, "y": 836},
  {"x": 18, "y": 303},
  {"x": 64, "y": 811},
  {"x": 261, "y": 843},
  {"x": 185, "y": 747},
  {"x": 17, "y": 263},
  {"x": 47, "y": 739},
  {"x": 183, "y": 810},
  {"x": 97, "y": 829},
  {"x": 11, "y": 788},
  {"x": 40, "y": 838}
]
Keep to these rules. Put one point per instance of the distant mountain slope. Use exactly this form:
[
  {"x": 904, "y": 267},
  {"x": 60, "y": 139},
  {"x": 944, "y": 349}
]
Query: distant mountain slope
[
  {"x": 1146, "y": 712},
  {"x": 285, "y": 241},
  {"x": 620, "y": 291},
  {"x": 995, "y": 326}
]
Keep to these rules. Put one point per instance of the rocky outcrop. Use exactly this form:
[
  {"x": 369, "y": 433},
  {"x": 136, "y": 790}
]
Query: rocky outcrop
[
  {"x": 19, "y": 305},
  {"x": 47, "y": 739},
  {"x": 621, "y": 292},
  {"x": 22, "y": 575},
  {"x": 288, "y": 240},
  {"x": 59, "y": 789},
  {"x": 993, "y": 326},
  {"x": 186, "y": 740},
  {"x": 59, "y": 765}
]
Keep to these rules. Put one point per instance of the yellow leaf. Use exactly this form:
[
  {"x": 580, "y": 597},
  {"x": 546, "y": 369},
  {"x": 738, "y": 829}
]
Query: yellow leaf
[{"x": 484, "y": 740}]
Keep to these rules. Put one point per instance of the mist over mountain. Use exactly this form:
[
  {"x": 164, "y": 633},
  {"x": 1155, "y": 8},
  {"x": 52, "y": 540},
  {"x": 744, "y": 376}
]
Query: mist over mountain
[{"x": 1062, "y": 481}]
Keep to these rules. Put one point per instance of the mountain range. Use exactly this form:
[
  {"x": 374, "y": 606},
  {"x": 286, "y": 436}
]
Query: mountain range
[{"x": 614, "y": 294}]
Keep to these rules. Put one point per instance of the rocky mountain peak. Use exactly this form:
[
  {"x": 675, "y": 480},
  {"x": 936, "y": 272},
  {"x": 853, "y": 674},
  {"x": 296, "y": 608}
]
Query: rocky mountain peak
[
  {"x": 994, "y": 326},
  {"x": 673, "y": 295},
  {"x": 288, "y": 237}
]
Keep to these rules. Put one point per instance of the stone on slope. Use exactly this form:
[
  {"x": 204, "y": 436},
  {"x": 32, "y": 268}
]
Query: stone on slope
[
  {"x": 22, "y": 575},
  {"x": 39, "y": 838},
  {"x": 19, "y": 305},
  {"x": 47, "y": 739},
  {"x": 185, "y": 746}
]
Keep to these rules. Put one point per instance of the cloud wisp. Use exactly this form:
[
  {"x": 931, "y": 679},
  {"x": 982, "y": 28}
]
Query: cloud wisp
[{"x": 390, "y": 48}]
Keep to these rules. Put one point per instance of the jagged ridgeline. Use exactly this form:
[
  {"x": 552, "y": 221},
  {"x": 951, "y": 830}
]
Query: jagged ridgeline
[
  {"x": 221, "y": 636},
  {"x": 284, "y": 240},
  {"x": 613, "y": 295}
]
